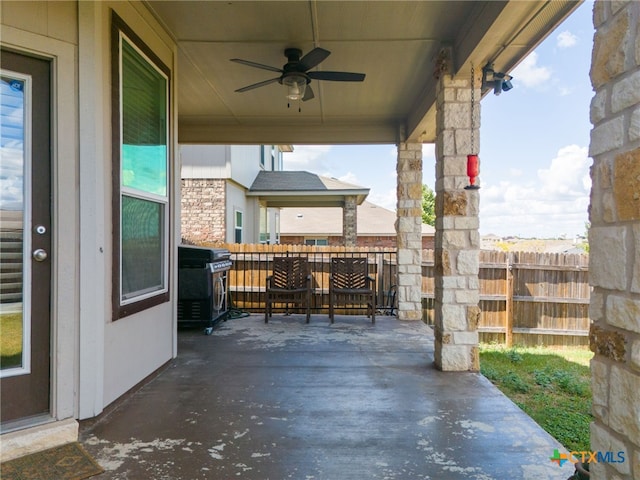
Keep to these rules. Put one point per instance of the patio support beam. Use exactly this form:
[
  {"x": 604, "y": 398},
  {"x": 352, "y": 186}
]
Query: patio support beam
[
  {"x": 409, "y": 230},
  {"x": 350, "y": 220},
  {"x": 457, "y": 239}
]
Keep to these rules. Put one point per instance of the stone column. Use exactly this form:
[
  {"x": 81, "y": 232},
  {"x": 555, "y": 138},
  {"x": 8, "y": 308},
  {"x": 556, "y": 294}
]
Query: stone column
[
  {"x": 614, "y": 239},
  {"x": 350, "y": 221},
  {"x": 457, "y": 240},
  {"x": 409, "y": 231}
]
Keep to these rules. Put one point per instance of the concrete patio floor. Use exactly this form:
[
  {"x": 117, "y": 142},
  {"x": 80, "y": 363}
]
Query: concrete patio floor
[{"x": 290, "y": 400}]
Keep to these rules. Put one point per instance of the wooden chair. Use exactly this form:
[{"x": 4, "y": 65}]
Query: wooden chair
[
  {"x": 289, "y": 283},
  {"x": 349, "y": 279}
]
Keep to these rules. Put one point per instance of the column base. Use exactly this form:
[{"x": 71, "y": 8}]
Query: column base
[{"x": 456, "y": 358}]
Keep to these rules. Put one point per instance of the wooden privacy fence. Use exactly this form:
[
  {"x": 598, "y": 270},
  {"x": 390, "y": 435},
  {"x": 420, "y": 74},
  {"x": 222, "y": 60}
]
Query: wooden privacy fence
[{"x": 526, "y": 298}]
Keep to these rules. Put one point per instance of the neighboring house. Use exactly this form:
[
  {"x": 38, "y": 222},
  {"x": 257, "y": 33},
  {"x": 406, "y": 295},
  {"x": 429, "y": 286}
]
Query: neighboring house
[
  {"x": 215, "y": 181},
  {"x": 323, "y": 226},
  {"x": 234, "y": 193}
]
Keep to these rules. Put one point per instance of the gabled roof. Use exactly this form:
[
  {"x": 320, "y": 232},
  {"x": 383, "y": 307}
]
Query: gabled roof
[
  {"x": 304, "y": 189},
  {"x": 373, "y": 220}
]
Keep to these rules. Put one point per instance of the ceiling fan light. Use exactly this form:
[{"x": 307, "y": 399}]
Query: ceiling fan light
[{"x": 295, "y": 85}]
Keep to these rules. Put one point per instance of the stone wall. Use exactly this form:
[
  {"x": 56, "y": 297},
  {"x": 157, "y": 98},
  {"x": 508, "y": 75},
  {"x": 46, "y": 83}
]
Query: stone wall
[
  {"x": 457, "y": 240},
  {"x": 203, "y": 210},
  {"x": 614, "y": 237},
  {"x": 350, "y": 220},
  {"x": 409, "y": 230}
]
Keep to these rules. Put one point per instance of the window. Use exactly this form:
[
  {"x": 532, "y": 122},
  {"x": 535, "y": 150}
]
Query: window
[
  {"x": 264, "y": 224},
  {"x": 238, "y": 226},
  {"x": 273, "y": 157},
  {"x": 262, "y": 147},
  {"x": 316, "y": 241},
  {"x": 141, "y": 175}
]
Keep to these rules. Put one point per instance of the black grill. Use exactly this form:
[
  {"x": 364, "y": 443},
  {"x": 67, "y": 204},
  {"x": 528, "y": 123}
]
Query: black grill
[{"x": 202, "y": 286}]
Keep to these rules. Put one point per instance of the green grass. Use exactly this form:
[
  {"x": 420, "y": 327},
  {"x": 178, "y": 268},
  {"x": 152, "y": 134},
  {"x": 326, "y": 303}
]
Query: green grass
[
  {"x": 551, "y": 385},
  {"x": 10, "y": 340}
]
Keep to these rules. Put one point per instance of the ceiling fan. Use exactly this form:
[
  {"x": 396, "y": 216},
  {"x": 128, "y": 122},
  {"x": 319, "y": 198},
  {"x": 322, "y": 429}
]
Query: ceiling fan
[{"x": 295, "y": 74}]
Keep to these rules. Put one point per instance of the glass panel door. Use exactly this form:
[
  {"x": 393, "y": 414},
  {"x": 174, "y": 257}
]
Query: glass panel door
[{"x": 25, "y": 234}]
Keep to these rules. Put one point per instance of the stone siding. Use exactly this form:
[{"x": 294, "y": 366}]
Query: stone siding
[
  {"x": 614, "y": 237},
  {"x": 409, "y": 230},
  {"x": 350, "y": 220},
  {"x": 203, "y": 210},
  {"x": 457, "y": 240}
]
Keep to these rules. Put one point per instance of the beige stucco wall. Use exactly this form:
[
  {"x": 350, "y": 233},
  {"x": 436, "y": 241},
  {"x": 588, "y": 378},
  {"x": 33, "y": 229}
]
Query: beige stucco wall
[
  {"x": 115, "y": 355},
  {"x": 614, "y": 238}
]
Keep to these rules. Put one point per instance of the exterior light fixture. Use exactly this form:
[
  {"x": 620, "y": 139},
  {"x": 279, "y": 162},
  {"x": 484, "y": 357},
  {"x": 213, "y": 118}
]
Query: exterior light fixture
[
  {"x": 500, "y": 82},
  {"x": 296, "y": 84}
]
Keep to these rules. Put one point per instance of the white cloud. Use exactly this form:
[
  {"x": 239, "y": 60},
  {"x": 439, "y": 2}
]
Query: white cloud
[
  {"x": 307, "y": 157},
  {"x": 530, "y": 74},
  {"x": 567, "y": 172},
  {"x": 11, "y": 176},
  {"x": 554, "y": 203},
  {"x": 566, "y": 39},
  {"x": 428, "y": 150},
  {"x": 349, "y": 177},
  {"x": 387, "y": 199}
]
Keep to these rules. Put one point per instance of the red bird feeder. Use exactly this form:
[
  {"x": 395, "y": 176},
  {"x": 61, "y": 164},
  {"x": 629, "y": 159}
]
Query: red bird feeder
[{"x": 473, "y": 170}]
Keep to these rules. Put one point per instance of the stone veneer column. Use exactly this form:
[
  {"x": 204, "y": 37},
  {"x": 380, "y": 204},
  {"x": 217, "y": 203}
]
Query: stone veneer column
[
  {"x": 350, "y": 221},
  {"x": 457, "y": 240},
  {"x": 614, "y": 238},
  {"x": 409, "y": 231}
]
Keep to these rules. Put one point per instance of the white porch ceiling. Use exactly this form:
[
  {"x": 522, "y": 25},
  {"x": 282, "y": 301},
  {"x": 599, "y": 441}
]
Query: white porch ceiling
[{"x": 393, "y": 42}]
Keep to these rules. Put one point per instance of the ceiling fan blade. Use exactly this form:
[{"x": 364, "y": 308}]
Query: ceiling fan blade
[
  {"x": 259, "y": 84},
  {"x": 337, "y": 76},
  {"x": 314, "y": 57},
  {"x": 308, "y": 94},
  {"x": 256, "y": 65}
]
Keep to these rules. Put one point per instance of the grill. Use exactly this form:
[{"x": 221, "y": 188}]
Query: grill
[{"x": 202, "y": 286}]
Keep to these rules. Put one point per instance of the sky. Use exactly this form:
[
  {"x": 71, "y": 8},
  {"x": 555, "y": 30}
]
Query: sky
[{"x": 534, "y": 165}]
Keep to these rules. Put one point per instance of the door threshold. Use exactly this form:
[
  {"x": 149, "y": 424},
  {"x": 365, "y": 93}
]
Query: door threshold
[
  {"x": 35, "y": 437},
  {"x": 28, "y": 422}
]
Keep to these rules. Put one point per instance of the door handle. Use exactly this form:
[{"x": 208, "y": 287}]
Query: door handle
[{"x": 39, "y": 255}]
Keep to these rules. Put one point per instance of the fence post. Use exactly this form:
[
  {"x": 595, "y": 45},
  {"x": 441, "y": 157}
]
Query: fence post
[{"x": 508, "y": 337}]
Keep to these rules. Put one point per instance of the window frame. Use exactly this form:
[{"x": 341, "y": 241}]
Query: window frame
[
  {"x": 237, "y": 228},
  {"x": 324, "y": 241},
  {"x": 121, "y": 307}
]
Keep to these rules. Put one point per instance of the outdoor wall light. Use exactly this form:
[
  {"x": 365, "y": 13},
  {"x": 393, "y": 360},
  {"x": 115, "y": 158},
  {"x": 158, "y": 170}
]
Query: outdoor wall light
[{"x": 500, "y": 82}]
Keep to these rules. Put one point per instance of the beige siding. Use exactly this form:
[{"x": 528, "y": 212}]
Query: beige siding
[{"x": 57, "y": 20}]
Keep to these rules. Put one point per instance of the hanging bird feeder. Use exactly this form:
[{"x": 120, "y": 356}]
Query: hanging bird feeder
[
  {"x": 473, "y": 170},
  {"x": 473, "y": 161}
]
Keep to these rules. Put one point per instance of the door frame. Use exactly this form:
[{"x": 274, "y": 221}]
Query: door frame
[
  {"x": 64, "y": 228},
  {"x": 27, "y": 389}
]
